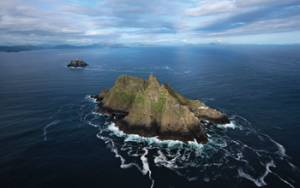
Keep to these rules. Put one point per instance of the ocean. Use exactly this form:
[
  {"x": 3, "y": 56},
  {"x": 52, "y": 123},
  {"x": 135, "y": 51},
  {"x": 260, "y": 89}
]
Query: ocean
[{"x": 51, "y": 136}]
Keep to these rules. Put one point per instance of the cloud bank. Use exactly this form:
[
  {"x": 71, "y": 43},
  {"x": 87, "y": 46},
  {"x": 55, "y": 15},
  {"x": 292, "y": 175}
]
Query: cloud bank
[{"x": 125, "y": 21}]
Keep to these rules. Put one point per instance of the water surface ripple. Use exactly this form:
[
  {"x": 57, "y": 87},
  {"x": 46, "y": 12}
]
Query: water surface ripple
[{"x": 51, "y": 136}]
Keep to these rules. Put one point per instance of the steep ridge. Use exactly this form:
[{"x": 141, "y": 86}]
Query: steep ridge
[{"x": 152, "y": 109}]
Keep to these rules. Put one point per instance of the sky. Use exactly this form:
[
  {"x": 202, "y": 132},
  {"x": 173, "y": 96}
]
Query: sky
[{"x": 83, "y": 22}]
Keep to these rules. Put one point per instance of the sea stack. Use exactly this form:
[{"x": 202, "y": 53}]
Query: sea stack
[
  {"x": 77, "y": 63},
  {"x": 150, "y": 109}
]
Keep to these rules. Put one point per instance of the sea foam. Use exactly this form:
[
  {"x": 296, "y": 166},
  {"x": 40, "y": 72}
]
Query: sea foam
[
  {"x": 154, "y": 141},
  {"x": 231, "y": 125},
  {"x": 179, "y": 157}
]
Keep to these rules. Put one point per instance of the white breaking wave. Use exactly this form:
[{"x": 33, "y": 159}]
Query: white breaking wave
[
  {"x": 161, "y": 159},
  {"x": 88, "y": 97},
  {"x": 281, "y": 149},
  {"x": 153, "y": 140},
  {"x": 229, "y": 125},
  {"x": 260, "y": 181},
  {"x": 145, "y": 170},
  {"x": 45, "y": 128},
  {"x": 182, "y": 158},
  {"x": 75, "y": 67},
  {"x": 115, "y": 150}
]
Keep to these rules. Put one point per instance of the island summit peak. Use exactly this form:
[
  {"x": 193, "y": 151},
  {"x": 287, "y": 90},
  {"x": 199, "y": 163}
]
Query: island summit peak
[{"x": 147, "y": 108}]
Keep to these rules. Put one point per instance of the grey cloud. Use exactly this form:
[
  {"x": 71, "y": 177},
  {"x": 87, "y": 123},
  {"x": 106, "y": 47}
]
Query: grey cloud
[
  {"x": 86, "y": 10},
  {"x": 211, "y": 7},
  {"x": 127, "y": 8},
  {"x": 112, "y": 19},
  {"x": 32, "y": 23},
  {"x": 129, "y": 13},
  {"x": 154, "y": 31},
  {"x": 259, "y": 27},
  {"x": 250, "y": 17},
  {"x": 243, "y": 3},
  {"x": 131, "y": 8}
]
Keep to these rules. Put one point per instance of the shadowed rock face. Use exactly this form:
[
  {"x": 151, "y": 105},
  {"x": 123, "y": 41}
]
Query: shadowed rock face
[
  {"x": 77, "y": 63},
  {"x": 152, "y": 109}
]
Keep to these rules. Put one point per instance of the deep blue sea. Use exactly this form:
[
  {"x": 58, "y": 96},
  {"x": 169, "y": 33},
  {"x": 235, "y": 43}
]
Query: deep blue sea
[{"x": 50, "y": 135}]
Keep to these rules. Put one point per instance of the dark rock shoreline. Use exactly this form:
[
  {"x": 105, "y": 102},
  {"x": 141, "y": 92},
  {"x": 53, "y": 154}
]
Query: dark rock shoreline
[
  {"x": 77, "y": 63},
  {"x": 150, "y": 109}
]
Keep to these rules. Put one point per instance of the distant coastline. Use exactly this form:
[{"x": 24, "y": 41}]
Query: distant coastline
[{"x": 19, "y": 48}]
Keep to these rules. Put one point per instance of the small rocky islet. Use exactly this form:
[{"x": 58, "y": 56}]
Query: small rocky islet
[
  {"x": 77, "y": 63},
  {"x": 149, "y": 109}
]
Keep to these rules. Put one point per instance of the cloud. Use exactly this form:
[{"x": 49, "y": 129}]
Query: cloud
[
  {"x": 262, "y": 27},
  {"x": 243, "y": 3},
  {"x": 132, "y": 8},
  {"x": 252, "y": 17},
  {"x": 53, "y": 21},
  {"x": 212, "y": 7},
  {"x": 21, "y": 19}
]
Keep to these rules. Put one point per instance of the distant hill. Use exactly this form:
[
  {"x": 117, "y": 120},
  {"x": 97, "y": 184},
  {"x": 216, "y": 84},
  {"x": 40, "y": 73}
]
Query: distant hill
[
  {"x": 187, "y": 45},
  {"x": 138, "y": 44},
  {"x": 19, "y": 48},
  {"x": 101, "y": 45}
]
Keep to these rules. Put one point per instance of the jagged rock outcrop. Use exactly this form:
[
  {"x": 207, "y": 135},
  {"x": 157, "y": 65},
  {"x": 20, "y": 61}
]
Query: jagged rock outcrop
[
  {"x": 77, "y": 63},
  {"x": 152, "y": 109}
]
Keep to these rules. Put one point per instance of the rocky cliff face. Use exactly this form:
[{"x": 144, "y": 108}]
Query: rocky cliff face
[
  {"x": 77, "y": 63},
  {"x": 152, "y": 109}
]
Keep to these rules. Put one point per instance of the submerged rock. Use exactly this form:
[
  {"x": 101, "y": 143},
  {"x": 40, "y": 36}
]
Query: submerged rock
[
  {"x": 77, "y": 63},
  {"x": 152, "y": 109}
]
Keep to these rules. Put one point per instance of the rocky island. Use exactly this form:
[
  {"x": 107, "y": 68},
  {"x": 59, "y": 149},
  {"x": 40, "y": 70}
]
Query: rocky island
[
  {"x": 147, "y": 108},
  {"x": 77, "y": 63}
]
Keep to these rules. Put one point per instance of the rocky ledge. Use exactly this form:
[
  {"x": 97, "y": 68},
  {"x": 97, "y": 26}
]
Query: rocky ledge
[
  {"x": 77, "y": 63},
  {"x": 149, "y": 109}
]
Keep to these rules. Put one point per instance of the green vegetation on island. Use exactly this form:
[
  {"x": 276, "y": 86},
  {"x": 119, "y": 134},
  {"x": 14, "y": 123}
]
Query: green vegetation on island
[{"x": 152, "y": 109}]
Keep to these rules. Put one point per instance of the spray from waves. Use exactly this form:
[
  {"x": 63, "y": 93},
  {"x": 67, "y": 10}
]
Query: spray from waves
[
  {"x": 90, "y": 121},
  {"x": 45, "y": 128},
  {"x": 231, "y": 125},
  {"x": 260, "y": 181},
  {"x": 161, "y": 160},
  {"x": 75, "y": 67},
  {"x": 115, "y": 150},
  {"x": 88, "y": 98},
  {"x": 154, "y": 141},
  {"x": 145, "y": 170},
  {"x": 281, "y": 149},
  {"x": 224, "y": 157},
  {"x": 219, "y": 145}
]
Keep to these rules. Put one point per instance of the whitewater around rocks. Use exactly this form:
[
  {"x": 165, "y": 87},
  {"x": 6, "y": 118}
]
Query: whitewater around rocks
[{"x": 224, "y": 157}]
